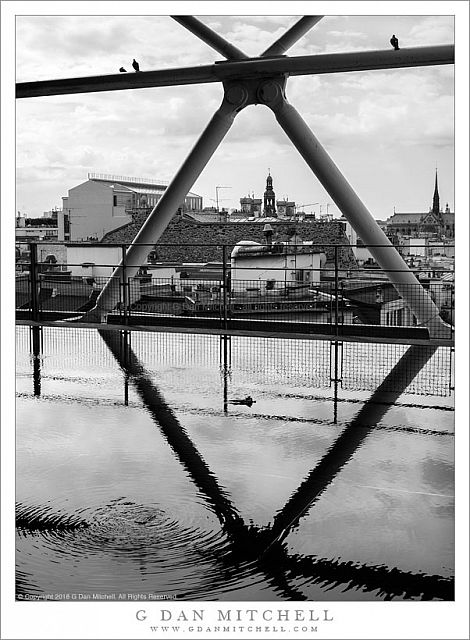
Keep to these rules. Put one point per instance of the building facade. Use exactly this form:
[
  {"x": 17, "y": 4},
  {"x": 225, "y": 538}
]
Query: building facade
[
  {"x": 274, "y": 267},
  {"x": 285, "y": 208},
  {"x": 106, "y": 202},
  {"x": 251, "y": 206},
  {"x": 435, "y": 223}
]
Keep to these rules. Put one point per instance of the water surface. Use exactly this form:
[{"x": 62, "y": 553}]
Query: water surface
[{"x": 137, "y": 475}]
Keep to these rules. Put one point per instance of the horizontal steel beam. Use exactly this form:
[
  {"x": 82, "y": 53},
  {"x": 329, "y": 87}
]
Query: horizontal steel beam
[{"x": 251, "y": 68}]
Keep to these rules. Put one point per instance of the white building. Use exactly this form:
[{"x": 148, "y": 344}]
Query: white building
[
  {"x": 105, "y": 202},
  {"x": 361, "y": 253},
  {"x": 36, "y": 234},
  {"x": 273, "y": 267},
  {"x": 412, "y": 246},
  {"x": 93, "y": 261}
]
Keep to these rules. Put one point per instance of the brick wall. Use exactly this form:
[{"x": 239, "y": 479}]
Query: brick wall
[{"x": 182, "y": 230}]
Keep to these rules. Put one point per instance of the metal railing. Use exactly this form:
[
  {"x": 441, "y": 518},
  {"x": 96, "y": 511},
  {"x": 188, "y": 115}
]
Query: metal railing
[
  {"x": 251, "y": 81},
  {"x": 292, "y": 285}
]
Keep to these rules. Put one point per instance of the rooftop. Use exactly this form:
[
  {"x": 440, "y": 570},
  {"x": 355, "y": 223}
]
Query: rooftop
[
  {"x": 150, "y": 186},
  {"x": 261, "y": 250}
]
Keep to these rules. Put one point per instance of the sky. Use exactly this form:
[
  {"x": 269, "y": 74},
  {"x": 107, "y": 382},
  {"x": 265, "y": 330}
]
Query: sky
[{"x": 387, "y": 130}]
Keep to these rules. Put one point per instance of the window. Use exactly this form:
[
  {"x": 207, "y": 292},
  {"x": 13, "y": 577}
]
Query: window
[{"x": 114, "y": 201}]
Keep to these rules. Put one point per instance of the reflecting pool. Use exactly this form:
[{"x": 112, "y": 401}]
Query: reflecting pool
[{"x": 142, "y": 468}]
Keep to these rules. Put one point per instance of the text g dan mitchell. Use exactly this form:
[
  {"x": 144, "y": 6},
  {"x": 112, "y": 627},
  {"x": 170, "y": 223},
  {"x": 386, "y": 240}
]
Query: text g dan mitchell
[{"x": 235, "y": 615}]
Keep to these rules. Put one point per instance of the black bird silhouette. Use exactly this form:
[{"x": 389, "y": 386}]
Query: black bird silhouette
[
  {"x": 122, "y": 70},
  {"x": 394, "y": 42},
  {"x": 135, "y": 64}
]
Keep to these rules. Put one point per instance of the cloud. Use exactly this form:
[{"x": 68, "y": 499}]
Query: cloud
[
  {"x": 432, "y": 30},
  {"x": 399, "y": 113},
  {"x": 347, "y": 34}
]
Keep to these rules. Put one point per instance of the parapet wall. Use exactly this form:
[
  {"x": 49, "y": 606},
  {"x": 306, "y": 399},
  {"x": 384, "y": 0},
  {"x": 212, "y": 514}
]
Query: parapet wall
[{"x": 182, "y": 230}]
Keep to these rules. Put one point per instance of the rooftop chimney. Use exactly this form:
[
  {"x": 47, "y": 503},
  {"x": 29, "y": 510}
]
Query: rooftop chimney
[{"x": 268, "y": 234}]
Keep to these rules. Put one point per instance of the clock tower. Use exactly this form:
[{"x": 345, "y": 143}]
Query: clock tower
[{"x": 269, "y": 198}]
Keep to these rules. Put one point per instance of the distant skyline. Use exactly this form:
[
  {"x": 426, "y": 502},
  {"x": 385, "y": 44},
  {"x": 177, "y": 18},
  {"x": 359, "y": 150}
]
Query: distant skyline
[{"x": 387, "y": 130}]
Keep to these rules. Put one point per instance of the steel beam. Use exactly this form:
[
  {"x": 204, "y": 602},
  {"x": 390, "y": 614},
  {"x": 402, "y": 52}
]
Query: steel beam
[
  {"x": 347, "y": 201},
  {"x": 291, "y": 36},
  {"x": 168, "y": 204},
  {"x": 210, "y": 37},
  {"x": 251, "y": 68}
]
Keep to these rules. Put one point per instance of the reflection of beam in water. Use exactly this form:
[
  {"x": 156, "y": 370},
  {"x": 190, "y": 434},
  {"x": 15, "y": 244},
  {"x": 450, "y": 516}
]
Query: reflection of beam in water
[
  {"x": 409, "y": 365},
  {"x": 264, "y": 547},
  {"x": 388, "y": 582},
  {"x": 125, "y": 345},
  {"x": 36, "y": 339},
  {"x": 225, "y": 366},
  {"x": 172, "y": 430}
]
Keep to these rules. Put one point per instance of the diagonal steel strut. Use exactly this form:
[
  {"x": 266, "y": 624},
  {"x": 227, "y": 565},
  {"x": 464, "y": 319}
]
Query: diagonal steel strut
[
  {"x": 291, "y": 36},
  {"x": 251, "y": 81},
  {"x": 347, "y": 201},
  {"x": 210, "y": 37},
  {"x": 271, "y": 93},
  {"x": 159, "y": 218}
]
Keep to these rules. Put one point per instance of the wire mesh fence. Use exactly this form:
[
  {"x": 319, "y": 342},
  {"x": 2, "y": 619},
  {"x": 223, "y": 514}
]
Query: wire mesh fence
[
  {"x": 272, "y": 360},
  {"x": 303, "y": 284},
  {"x": 202, "y": 361},
  {"x": 365, "y": 366}
]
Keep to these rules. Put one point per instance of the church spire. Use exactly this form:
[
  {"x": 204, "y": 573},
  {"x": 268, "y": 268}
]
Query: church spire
[
  {"x": 435, "y": 199},
  {"x": 269, "y": 197}
]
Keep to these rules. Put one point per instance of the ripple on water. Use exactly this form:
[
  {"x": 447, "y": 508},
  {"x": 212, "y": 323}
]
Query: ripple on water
[{"x": 174, "y": 558}]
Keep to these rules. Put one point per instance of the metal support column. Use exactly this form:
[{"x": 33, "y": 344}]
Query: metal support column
[
  {"x": 353, "y": 209},
  {"x": 158, "y": 220}
]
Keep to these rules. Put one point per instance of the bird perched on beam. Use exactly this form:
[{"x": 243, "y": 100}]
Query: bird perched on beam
[
  {"x": 122, "y": 70},
  {"x": 135, "y": 64},
  {"x": 394, "y": 42}
]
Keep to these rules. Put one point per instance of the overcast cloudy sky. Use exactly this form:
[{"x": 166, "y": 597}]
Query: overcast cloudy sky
[{"x": 386, "y": 130}]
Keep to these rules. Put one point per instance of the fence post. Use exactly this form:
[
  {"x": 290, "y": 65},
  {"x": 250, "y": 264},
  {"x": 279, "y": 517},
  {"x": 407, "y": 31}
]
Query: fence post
[
  {"x": 336, "y": 290},
  {"x": 342, "y": 303},
  {"x": 123, "y": 283},
  {"x": 224, "y": 285},
  {"x": 33, "y": 275},
  {"x": 452, "y": 310}
]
